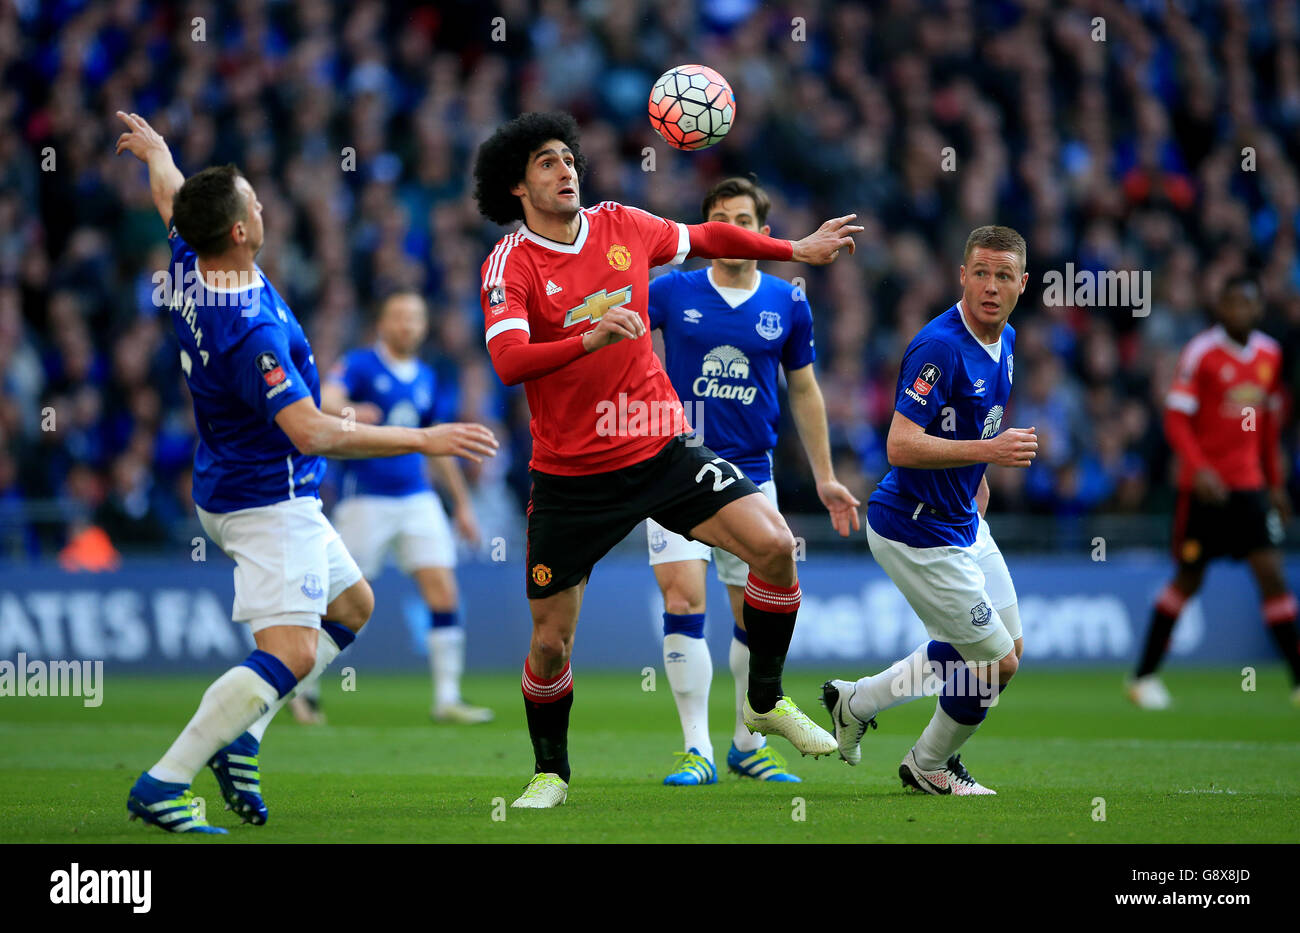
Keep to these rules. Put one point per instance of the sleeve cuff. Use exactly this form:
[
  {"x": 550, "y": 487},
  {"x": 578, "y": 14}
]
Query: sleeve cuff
[
  {"x": 510, "y": 323},
  {"x": 683, "y": 245},
  {"x": 1182, "y": 401}
]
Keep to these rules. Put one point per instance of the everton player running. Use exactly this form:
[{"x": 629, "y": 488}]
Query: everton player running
[
  {"x": 926, "y": 526},
  {"x": 1223, "y": 419},
  {"x": 389, "y": 502},
  {"x": 726, "y": 331},
  {"x": 260, "y": 458},
  {"x": 564, "y": 306}
]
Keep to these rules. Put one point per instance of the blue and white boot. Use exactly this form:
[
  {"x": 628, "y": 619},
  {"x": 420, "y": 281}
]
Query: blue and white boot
[
  {"x": 235, "y": 767},
  {"x": 171, "y": 807},
  {"x": 692, "y": 770},
  {"x": 765, "y": 764}
]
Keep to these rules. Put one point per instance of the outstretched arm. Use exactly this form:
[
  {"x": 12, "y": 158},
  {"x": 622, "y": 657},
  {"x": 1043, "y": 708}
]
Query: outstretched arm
[
  {"x": 314, "y": 432},
  {"x": 808, "y": 409},
  {"x": 715, "y": 240},
  {"x": 143, "y": 142}
]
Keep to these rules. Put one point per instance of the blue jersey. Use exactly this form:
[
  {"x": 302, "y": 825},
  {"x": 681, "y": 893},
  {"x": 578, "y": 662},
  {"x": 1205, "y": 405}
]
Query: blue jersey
[
  {"x": 406, "y": 393},
  {"x": 245, "y": 357},
  {"x": 723, "y": 360},
  {"x": 954, "y": 387}
]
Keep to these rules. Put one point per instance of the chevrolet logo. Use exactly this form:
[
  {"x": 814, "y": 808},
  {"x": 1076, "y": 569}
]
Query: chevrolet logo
[{"x": 594, "y": 306}]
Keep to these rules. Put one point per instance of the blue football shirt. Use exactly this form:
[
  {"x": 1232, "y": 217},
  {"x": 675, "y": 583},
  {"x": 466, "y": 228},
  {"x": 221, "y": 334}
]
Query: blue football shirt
[
  {"x": 407, "y": 394},
  {"x": 955, "y": 387},
  {"x": 723, "y": 360},
  {"x": 245, "y": 357}
]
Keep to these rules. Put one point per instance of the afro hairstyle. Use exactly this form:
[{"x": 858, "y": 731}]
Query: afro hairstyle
[{"x": 503, "y": 159}]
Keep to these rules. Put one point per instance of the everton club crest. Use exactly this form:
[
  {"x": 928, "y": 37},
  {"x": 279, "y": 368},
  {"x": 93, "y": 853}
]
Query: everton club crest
[{"x": 769, "y": 325}]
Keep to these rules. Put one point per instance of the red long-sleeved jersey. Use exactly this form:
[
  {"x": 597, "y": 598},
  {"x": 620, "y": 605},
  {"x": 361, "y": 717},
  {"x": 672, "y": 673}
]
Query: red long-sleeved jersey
[
  {"x": 1224, "y": 410},
  {"x": 540, "y": 296}
]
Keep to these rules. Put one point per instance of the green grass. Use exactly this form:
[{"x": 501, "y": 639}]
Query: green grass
[{"x": 1220, "y": 768}]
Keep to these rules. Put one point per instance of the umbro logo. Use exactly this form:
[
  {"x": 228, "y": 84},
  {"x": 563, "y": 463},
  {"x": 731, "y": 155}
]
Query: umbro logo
[
  {"x": 552, "y": 288},
  {"x": 691, "y": 316}
]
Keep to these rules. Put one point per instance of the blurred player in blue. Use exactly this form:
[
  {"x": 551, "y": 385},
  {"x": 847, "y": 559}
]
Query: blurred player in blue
[
  {"x": 257, "y": 467},
  {"x": 389, "y": 503},
  {"x": 728, "y": 330},
  {"x": 925, "y": 522}
]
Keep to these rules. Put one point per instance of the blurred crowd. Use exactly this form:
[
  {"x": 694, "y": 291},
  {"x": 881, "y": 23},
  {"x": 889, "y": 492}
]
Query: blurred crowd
[{"x": 1144, "y": 135}]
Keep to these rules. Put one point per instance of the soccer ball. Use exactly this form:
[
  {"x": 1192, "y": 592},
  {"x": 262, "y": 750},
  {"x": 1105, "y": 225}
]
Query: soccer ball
[{"x": 692, "y": 107}]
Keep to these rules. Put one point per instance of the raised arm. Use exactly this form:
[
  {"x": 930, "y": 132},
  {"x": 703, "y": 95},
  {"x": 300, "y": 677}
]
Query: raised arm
[
  {"x": 143, "y": 142},
  {"x": 910, "y": 446}
]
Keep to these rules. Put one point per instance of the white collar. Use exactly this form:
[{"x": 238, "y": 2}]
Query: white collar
[
  {"x": 733, "y": 296},
  {"x": 993, "y": 349},
  {"x": 1242, "y": 352},
  {"x": 556, "y": 245},
  {"x": 256, "y": 283},
  {"x": 402, "y": 370}
]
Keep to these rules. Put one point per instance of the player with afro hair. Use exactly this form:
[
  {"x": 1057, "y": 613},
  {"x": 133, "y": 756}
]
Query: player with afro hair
[{"x": 503, "y": 159}]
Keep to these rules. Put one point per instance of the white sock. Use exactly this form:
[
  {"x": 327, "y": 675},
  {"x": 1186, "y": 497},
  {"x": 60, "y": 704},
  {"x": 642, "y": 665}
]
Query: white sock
[
  {"x": 940, "y": 740},
  {"x": 230, "y": 705},
  {"x": 446, "y": 661},
  {"x": 690, "y": 676},
  {"x": 326, "y": 652},
  {"x": 902, "y": 681},
  {"x": 742, "y": 738}
]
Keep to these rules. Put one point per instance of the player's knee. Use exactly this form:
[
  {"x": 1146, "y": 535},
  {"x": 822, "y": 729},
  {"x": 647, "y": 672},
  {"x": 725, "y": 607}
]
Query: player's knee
[
  {"x": 299, "y": 657},
  {"x": 553, "y": 649},
  {"x": 355, "y": 610},
  {"x": 1008, "y": 666},
  {"x": 440, "y": 592},
  {"x": 775, "y": 554},
  {"x": 681, "y": 602}
]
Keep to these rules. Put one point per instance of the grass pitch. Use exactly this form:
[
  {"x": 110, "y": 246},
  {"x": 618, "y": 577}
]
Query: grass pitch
[{"x": 1221, "y": 767}]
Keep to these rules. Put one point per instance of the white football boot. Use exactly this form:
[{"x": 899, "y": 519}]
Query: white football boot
[
  {"x": 543, "y": 792},
  {"x": 848, "y": 728},
  {"x": 789, "y": 721},
  {"x": 1149, "y": 693},
  {"x": 952, "y": 778},
  {"x": 461, "y": 713}
]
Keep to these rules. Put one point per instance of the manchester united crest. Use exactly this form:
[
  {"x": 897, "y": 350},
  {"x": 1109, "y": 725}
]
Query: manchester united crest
[
  {"x": 541, "y": 574},
  {"x": 620, "y": 257}
]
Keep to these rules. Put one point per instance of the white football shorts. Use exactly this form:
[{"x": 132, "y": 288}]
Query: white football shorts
[
  {"x": 289, "y": 561},
  {"x": 668, "y": 546},
  {"x": 414, "y": 526},
  {"x": 964, "y": 595}
]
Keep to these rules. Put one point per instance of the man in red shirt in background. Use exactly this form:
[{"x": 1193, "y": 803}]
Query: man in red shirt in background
[
  {"x": 1223, "y": 419},
  {"x": 564, "y": 304}
]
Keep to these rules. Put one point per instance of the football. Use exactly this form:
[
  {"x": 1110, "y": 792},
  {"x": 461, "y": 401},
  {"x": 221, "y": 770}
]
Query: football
[{"x": 692, "y": 107}]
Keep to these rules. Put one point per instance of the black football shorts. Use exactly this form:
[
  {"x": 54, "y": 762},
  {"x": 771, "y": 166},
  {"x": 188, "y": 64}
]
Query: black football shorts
[
  {"x": 1204, "y": 531},
  {"x": 573, "y": 521}
]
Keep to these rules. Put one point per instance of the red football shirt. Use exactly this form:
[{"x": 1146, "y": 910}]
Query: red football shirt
[
  {"x": 1224, "y": 409},
  {"x": 613, "y": 407}
]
